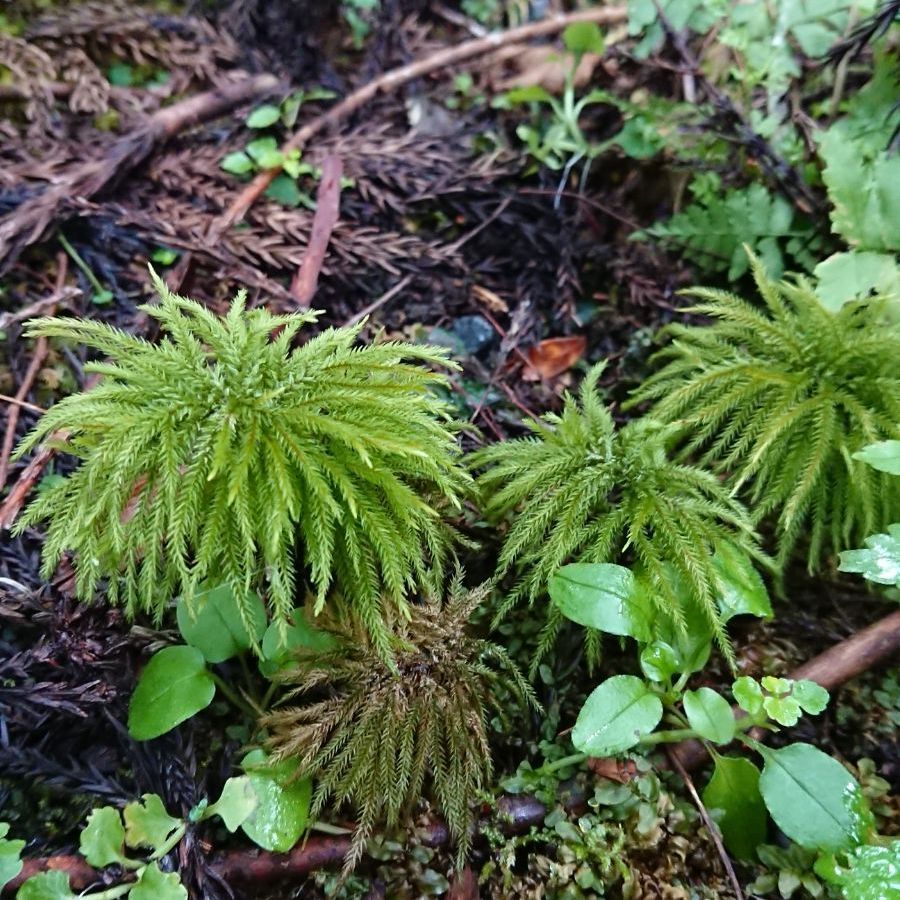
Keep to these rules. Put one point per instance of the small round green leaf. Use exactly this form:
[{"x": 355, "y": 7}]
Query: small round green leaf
[
  {"x": 616, "y": 716},
  {"x": 282, "y": 811},
  {"x": 733, "y": 791},
  {"x": 812, "y": 697},
  {"x": 583, "y": 37},
  {"x": 603, "y": 596},
  {"x": 263, "y": 116},
  {"x": 748, "y": 694},
  {"x": 47, "y": 886},
  {"x": 174, "y": 686},
  {"x": 659, "y": 661},
  {"x": 805, "y": 791},
  {"x": 103, "y": 838},
  {"x": 212, "y": 622},
  {"x": 154, "y": 884},
  {"x": 710, "y": 715},
  {"x": 237, "y": 163}
]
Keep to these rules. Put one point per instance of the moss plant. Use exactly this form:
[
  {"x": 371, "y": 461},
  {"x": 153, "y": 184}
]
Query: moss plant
[
  {"x": 780, "y": 397},
  {"x": 376, "y": 736},
  {"x": 226, "y": 452},
  {"x": 579, "y": 489}
]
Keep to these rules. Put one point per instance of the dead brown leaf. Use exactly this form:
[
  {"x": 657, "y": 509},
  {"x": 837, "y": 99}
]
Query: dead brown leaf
[
  {"x": 547, "y": 66},
  {"x": 622, "y": 771},
  {"x": 554, "y": 356}
]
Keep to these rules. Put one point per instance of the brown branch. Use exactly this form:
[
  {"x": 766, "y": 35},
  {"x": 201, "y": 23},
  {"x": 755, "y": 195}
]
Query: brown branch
[
  {"x": 28, "y": 222},
  {"x": 41, "y": 347},
  {"x": 838, "y": 664},
  {"x": 396, "y": 78},
  {"x": 328, "y": 206}
]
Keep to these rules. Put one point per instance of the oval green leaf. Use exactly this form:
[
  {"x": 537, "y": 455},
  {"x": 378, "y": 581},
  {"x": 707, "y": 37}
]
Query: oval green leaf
[
  {"x": 710, "y": 715},
  {"x": 212, "y": 622},
  {"x": 733, "y": 790},
  {"x": 741, "y": 588},
  {"x": 616, "y": 716},
  {"x": 603, "y": 596},
  {"x": 174, "y": 686},
  {"x": 263, "y": 116},
  {"x": 282, "y": 810},
  {"x": 883, "y": 455},
  {"x": 583, "y": 37},
  {"x": 805, "y": 791}
]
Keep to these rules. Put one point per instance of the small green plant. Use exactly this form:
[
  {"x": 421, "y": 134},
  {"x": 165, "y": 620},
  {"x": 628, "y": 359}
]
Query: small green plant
[
  {"x": 812, "y": 798},
  {"x": 290, "y": 188},
  {"x": 111, "y": 837},
  {"x": 781, "y": 398},
  {"x": 375, "y": 735},
  {"x": 581, "y": 489},
  {"x": 221, "y": 450}
]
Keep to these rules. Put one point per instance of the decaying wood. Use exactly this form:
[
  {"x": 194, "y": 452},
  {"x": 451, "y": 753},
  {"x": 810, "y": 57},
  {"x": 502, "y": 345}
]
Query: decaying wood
[
  {"x": 396, "y": 78},
  {"x": 328, "y": 203},
  {"x": 29, "y": 221}
]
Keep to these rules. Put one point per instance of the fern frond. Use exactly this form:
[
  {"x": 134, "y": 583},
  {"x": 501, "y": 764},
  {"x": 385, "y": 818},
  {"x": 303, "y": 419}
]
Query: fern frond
[
  {"x": 217, "y": 452},
  {"x": 384, "y": 734},
  {"x": 779, "y": 398},
  {"x": 581, "y": 490}
]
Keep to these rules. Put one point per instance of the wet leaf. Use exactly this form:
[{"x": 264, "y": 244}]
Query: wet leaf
[
  {"x": 741, "y": 588},
  {"x": 880, "y": 561},
  {"x": 281, "y": 814},
  {"x": 805, "y": 791},
  {"x": 616, "y": 716}
]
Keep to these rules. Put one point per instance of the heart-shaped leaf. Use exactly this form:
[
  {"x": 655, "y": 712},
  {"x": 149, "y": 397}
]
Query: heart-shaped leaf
[
  {"x": 733, "y": 790},
  {"x": 212, "y": 622},
  {"x": 710, "y": 715},
  {"x": 173, "y": 687},
  {"x": 805, "y": 791},
  {"x": 236, "y": 803},
  {"x": 616, "y": 716},
  {"x": 603, "y": 596},
  {"x": 282, "y": 810}
]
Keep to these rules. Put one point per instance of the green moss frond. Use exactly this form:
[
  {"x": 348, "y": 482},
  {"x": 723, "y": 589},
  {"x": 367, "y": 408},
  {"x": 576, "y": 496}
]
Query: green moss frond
[
  {"x": 779, "y": 396},
  {"x": 223, "y": 451},
  {"x": 375, "y": 737},
  {"x": 583, "y": 490}
]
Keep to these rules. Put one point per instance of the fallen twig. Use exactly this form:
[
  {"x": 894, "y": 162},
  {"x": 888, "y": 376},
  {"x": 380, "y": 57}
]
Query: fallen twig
[
  {"x": 328, "y": 203},
  {"x": 378, "y": 302},
  {"x": 41, "y": 347},
  {"x": 395, "y": 78},
  {"x": 28, "y": 222}
]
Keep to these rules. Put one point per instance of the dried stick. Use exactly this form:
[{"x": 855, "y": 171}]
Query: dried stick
[
  {"x": 41, "y": 348},
  {"x": 710, "y": 825},
  {"x": 838, "y": 664},
  {"x": 28, "y": 222},
  {"x": 328, "y": 204},
  {"x": 396, "y": 78}
]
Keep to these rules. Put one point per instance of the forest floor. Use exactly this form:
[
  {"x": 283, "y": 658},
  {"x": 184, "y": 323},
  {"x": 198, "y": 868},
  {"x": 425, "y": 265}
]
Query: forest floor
[{"x": 446, "y": 233}]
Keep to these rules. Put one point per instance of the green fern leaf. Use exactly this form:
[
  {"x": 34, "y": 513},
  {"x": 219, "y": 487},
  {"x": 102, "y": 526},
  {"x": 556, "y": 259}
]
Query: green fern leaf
[
  {"x": 780, "y": 398},
  {"x": 219, "y": 452}
]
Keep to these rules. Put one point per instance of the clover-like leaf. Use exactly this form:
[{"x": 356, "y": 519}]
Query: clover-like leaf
[
  {"x": 47, "y": 886},
  {"x": 235, "y": 804},
  {"x": 812, "y": 697},
  {"x": 10, "y": 853},
  {"x": 147, "y": 824},
  {"x": 103, "y": 838},
  {"x": 154, "y": 884},
  {"x": 748, "y": 694}
]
